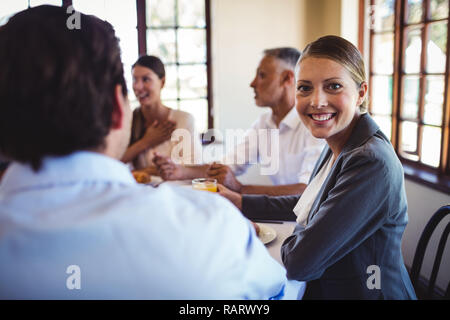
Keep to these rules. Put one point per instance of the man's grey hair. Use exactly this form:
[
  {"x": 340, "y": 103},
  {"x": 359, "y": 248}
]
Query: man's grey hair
[{"x": 286, "y": 54}]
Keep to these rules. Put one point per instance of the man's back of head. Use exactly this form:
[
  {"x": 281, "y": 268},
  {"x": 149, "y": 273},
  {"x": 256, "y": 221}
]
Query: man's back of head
[
  {"x": 288, "y": 55},
  {"x": 57, "y": 84}
]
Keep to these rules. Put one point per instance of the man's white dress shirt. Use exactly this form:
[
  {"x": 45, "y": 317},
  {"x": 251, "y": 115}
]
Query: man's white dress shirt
[
  {"x": 295, "y": 152},
  {"x": 83, "y": 220}
]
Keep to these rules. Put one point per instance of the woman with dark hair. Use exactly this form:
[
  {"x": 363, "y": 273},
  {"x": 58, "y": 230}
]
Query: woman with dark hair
[
  {"x": 352, "y": 215},
  {"x": 154, "y": 123}
]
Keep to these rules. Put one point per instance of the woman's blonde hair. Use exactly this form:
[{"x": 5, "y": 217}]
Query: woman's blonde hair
[{"x": 343, "y": 52}]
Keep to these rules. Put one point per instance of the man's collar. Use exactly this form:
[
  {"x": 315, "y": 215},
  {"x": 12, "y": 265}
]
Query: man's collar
[
  {"x": 291, "y": 119},
  {"x": 82, "y": 166}
]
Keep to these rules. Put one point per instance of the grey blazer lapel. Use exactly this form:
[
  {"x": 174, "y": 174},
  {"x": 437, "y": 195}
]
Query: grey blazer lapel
[{"x": 320, "y": 162}]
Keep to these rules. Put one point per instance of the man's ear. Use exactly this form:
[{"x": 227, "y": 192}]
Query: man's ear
[
  {"x": 117, "y": 116},
  {"x": 163, "y": 81},
  {"x": 288, "y": 76}
]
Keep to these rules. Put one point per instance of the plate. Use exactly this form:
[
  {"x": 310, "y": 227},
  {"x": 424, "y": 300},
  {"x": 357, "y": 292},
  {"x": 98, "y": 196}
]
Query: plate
[{"x": 266, "y": 233}]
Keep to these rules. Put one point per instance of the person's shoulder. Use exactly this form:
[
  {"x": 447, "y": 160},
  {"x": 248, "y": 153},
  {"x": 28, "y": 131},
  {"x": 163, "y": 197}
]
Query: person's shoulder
[
  {"x": 262, "y": 120},
  {"x": 378, "y": 152},
  {"x": 184, "y": 119},
  {"x": 183, "y": 199},
  {"x": 191, "y": 214},
  {"x": 182, "y": 115}
]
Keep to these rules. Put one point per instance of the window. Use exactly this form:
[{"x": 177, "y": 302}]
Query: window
[
  {"x": 409, "y": 84},
  {"x": 121, "y": 14},
  {"x": 177, "y": 31}
]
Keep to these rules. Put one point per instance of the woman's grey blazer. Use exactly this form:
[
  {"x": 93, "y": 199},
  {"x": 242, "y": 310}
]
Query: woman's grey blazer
[{"x": 351, "y": 245}]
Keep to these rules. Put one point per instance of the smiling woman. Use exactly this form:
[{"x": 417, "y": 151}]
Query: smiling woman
[
  {"x": 154, "y": 123},
  {"x": 328, "y": 100},
  {"x": 352, "y": 215}
]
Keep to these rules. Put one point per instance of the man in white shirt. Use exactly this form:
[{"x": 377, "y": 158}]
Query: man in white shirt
[
  {"x": 298, "y": 150},
  {"x": 74, "y": 224}
]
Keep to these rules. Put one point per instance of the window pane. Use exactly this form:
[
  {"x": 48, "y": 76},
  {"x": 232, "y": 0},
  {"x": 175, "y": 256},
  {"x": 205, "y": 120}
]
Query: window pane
[
  {"x": 437, "y": 48},
  {"x": 431, "y": 146},
  {"x": 170, "y": 90},
  {"x": 439, "y": 9},
  {"x": 414, "y": 11},
  {"x": 9, "y": 8},
  {"x": 161, "y": 43},
  {"x": 409, "y": 136},
  {"x": 191, "y": 46},
  {"x": 160, "y": 13},
  {"x": 193, "y": 81},
  {"x": 199, "y": 109},
  {"x": 191, "y": 13},
  {"x": 385, "y": 124},
  {"x": 434, "y": 100},
  {"x": 383, "y": 19},
  {"x": 381, "y": 89},
  {"x": 383, "y": 53},
  {"x": 410, "y": 107},
  {"x": 413, "y": 50}
]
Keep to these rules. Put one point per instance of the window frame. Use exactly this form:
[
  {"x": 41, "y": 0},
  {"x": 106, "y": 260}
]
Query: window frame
[
  {"x": 436, "y": 178},
  {"x": 142, "y": 49}
]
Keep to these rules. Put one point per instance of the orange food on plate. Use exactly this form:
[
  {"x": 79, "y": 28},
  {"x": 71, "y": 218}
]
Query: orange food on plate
[{"x": 141, "y": 177}]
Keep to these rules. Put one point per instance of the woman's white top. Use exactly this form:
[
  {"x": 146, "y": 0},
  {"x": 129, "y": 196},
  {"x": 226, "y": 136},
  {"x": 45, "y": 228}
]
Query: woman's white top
[
  {"x": 306, "y": 201},
  {"x": 184, "y": 147}
]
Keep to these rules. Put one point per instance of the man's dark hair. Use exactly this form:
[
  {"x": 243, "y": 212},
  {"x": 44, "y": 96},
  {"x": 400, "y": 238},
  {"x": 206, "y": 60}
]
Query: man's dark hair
[
  {"x": 56, "y": 84},
  {"x": 286, "y": 54},
  {"x": 153, "y": 63}
]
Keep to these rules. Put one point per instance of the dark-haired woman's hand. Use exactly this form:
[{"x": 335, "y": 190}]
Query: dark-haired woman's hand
[
  {"x": 167, "y": 169},
  {"x": 158, "y": 132}
]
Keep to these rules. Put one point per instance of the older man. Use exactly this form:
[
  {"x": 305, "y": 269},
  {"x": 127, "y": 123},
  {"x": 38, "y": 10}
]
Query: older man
[
  {"x": 298, "y": 150},
  {"x": 73, "y": 222}
]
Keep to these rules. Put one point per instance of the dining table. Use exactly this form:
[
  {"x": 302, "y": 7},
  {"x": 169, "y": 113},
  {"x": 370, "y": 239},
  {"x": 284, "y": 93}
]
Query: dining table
[{"x": 294, "y": 290}]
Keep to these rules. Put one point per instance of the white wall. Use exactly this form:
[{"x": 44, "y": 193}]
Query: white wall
[
  {"x": 349, "y": 25},
  {"x": 241, "y": 30}
]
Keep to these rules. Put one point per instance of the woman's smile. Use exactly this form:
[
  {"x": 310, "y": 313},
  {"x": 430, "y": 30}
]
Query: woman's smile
[
  {"x": 328, "y": 99},
  {"x": 322, "y": 118}
]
